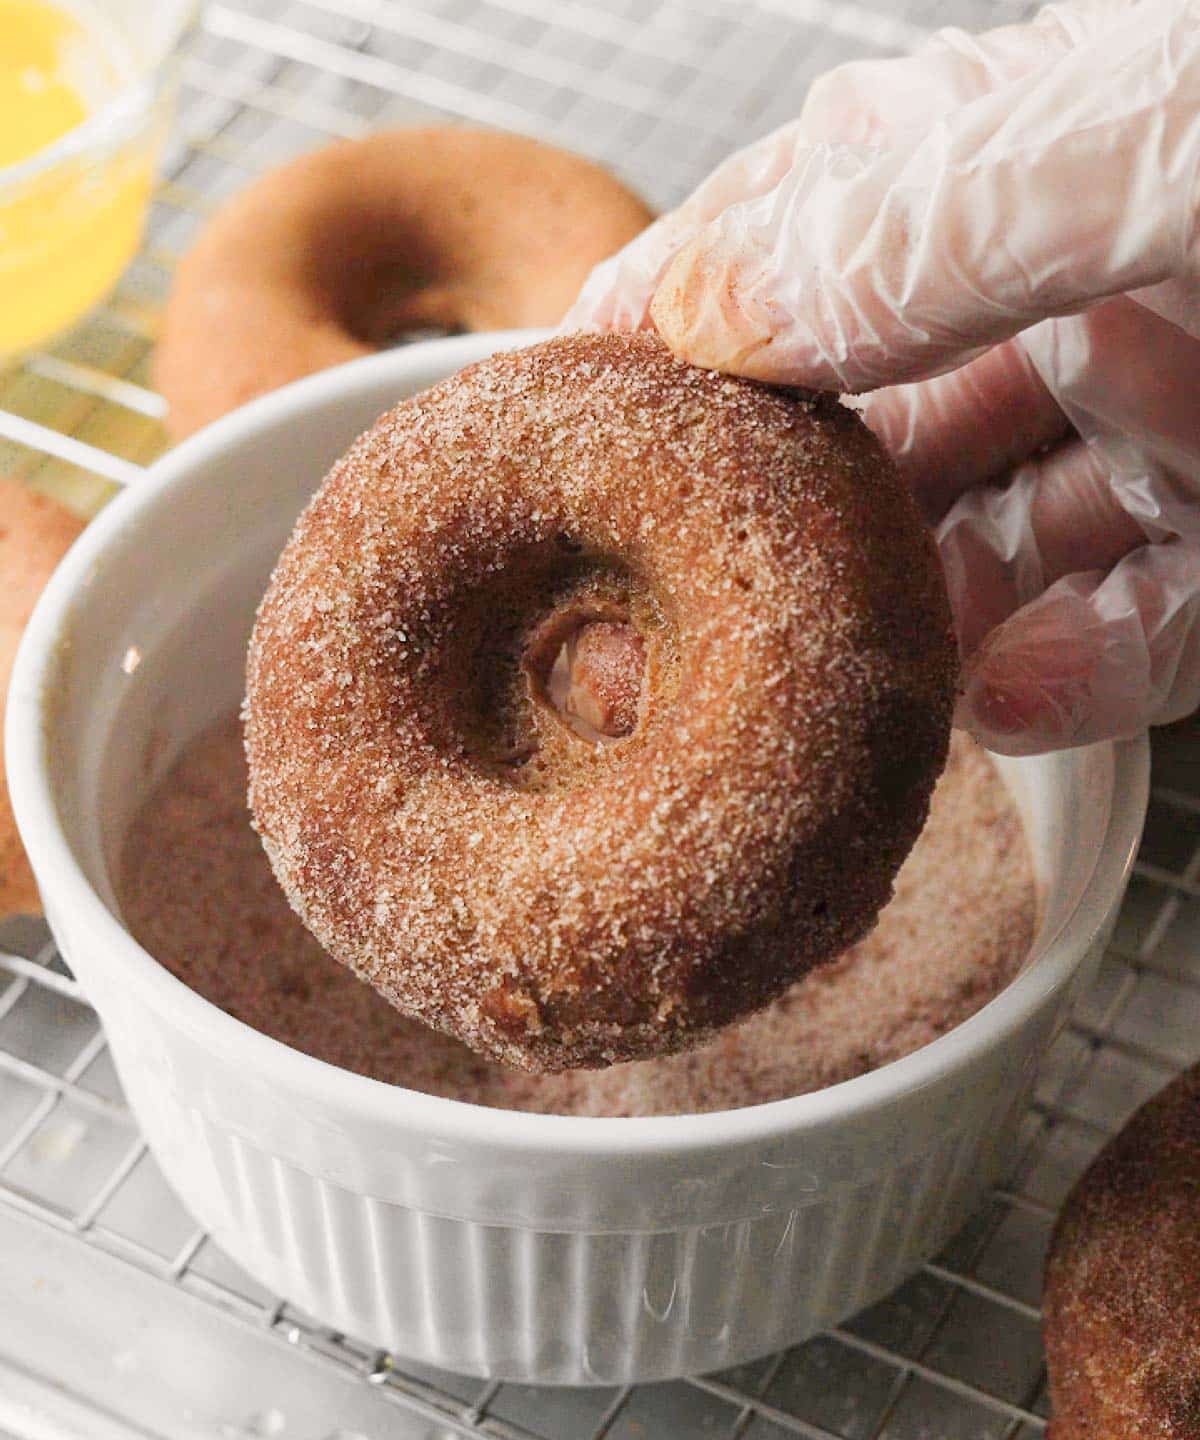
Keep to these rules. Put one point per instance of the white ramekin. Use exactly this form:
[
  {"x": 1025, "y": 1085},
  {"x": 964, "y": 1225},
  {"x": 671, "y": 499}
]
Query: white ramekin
[{"x": 528, "y": 1247}]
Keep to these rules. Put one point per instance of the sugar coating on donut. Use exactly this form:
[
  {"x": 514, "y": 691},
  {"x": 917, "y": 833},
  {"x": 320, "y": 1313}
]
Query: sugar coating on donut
[
  {"x": 1122, "y": 1300},
  {"x": 554, "y": 899}
]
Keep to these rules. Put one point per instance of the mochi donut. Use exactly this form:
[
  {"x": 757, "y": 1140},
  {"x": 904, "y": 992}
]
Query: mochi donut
[
  {"x": 596, "y": 698},
  {"x": 1122, "y": 1298},
  {"x": 335, "y": 254},
  {"x": 35, "y": 533}
]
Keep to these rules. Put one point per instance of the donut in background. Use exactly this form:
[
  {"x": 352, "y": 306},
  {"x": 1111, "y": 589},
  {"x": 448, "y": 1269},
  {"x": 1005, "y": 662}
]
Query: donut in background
[
  {"x": 333, "y": 255},
  {"x": 35, "y": 533},
  {"x": 1122, "y": 1298}
]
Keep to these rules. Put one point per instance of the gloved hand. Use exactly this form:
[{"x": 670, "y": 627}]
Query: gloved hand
[{"x": 1021, "y": 210}]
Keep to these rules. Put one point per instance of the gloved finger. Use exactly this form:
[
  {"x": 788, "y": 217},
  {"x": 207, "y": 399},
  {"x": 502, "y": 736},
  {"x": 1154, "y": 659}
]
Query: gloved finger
[
  {"x": 966, "y": 427},
  {"x": 1095, "y": 657},
  {"x": 877, "y": 102},
  {"x": 859, "y": 270},
  {"x": 1001, "y": 546},
  {"x": 1128, "y": 379},
  {"x": 864, "y": 102},
  {"x": 1075, "y": 518},
  {"x": 617, "y": 294}
]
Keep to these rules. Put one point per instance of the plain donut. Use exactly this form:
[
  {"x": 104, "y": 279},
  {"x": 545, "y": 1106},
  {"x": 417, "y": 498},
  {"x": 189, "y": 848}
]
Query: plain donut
[
  {"x": 35, "y": 533},
  {"x": 333, "y": 255}
]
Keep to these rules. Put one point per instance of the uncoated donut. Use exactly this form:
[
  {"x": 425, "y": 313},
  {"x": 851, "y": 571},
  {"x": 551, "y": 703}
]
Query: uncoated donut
[
  {"x": 333, "y": 255},
  {"x": 35, "y": 533},
  {"x": 559, "y": 888}
]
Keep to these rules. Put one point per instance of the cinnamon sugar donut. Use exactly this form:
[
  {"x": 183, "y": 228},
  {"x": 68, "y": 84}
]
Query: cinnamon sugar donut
[
  {"x": 35, "y": 533},
  {"x": 1122, "y": 1301},
  {"x": 338, "y": 252},
  {"x": 736, "y": 587}
]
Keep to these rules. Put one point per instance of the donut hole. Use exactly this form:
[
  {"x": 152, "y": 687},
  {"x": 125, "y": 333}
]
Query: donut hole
[
  {"x": 555, "y": 666},
  {"x": 586, "y": 667},
  {"x": 371, "y": 294},
  {"x": 406, "y": 334},
  {"x": 395, "y": 304}
]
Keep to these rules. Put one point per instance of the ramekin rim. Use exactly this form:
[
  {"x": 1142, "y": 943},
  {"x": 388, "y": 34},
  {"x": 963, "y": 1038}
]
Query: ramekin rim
[{"x": 26, "y": 742}]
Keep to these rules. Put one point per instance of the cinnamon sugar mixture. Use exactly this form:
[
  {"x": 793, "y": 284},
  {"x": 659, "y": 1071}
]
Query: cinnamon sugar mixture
[{"x": 198, "y": 893}]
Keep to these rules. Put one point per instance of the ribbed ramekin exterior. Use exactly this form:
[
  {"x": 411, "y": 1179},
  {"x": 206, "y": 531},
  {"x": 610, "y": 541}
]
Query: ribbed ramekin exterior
[{"x": 567, "y": 1306}]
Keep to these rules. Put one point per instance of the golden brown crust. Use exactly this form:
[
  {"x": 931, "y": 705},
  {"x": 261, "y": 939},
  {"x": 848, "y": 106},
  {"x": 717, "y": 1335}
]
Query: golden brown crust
[
  {"x": 563, "y": 903},
  {"x": 330, "y": 256},
  {"x": 1122, "y": 1301},
  {"x": 35, "y": 533}
]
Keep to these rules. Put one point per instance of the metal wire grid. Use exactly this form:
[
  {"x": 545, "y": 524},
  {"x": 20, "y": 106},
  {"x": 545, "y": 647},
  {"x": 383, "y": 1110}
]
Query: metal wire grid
[
  {"x": 658, "y": 91},
  {"x": 954, "y": 1353}
]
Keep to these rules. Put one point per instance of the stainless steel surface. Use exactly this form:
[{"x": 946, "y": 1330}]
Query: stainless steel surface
[{"x": 119, "y": 1318}]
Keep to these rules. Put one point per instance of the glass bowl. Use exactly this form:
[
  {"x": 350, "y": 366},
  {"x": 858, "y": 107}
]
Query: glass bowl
[{"x": 72, "y": 213}]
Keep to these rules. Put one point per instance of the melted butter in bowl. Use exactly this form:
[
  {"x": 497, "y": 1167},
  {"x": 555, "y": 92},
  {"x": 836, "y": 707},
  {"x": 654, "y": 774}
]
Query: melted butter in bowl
[{"x": 82, "y": 115}]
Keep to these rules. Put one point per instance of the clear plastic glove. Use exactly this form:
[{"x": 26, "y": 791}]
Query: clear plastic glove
[{"x": 1015, "y": 215}]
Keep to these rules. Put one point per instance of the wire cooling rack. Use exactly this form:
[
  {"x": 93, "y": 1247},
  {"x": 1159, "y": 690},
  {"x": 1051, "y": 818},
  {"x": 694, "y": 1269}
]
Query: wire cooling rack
[{"x": 118, "y": 1317}]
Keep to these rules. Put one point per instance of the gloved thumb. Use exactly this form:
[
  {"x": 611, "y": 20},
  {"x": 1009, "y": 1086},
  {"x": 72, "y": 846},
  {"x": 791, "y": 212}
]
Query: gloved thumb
[{"x": 863, "y": 267}]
